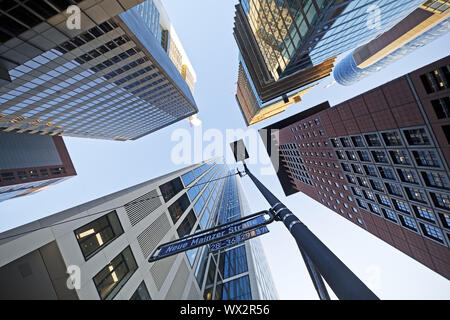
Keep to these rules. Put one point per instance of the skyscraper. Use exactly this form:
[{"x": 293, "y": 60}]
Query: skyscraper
[
  {"x": 267, "y": 86},
  {"x": 425, "y": 24},
  {"x": 288, "y": 45},
  {"x": 110, "y": 79},
  {"x": 109, "y": 240},
  {"x": 31, "y": 163},
  {"x": 251, "y": 105},
  {"x": 380, "y": 160}
]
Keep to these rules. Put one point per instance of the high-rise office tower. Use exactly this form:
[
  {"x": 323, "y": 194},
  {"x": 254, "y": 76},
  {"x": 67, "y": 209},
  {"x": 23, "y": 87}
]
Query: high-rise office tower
[
  {"x": 31, "y": 163},
  {"x": 110, "y": 78},
  {"x": 287, "y": 45},
  {"x": 380, "y": 160},
  {"x": 425, "y": 24},
  {"x": 251, "y": 105},
  {"x": 109, "y": 240}
]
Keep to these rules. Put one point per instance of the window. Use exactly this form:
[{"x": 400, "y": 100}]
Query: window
[
  {"x": 358, "y": 142},
  {"x": 113, "y": 277},
  {"x": 392, "y": 138},
  {"x": 233, "y": 262},
  {"x": 93, "y": 236},
  {"x": 441, "y": 107},
  {"x": 335, "y": 142},
  {"x": 383, "y": 200},
  {"x": 426, "y": 158},
  {"x": 351, "y": 155},
  {"x": 357, "y": 168},
  {"x": 432, "y": 232},
  {"x": 340, "y": 154},
  {"x": 380, "y": 157},
  {"x": 435, "y": 179},
  {"x": 369, "y": 195},
  {"x": 394, "y": 189},
  {"x": 186, "y": 226},
  {"x": 376, "y": 185},
  {"x": 361, "y": 203},
  {"x": 386, "y": 173},
  {"x": 372, "y": 140},
  {"x": 345, "y": 142},
  {"x": 441, "y": 200},
  {"x": 351, "y": 179},
  {"x": 445, "y": 218},
  {"x": 400, "y": 157},
  {"x": 390, "y": 215},
  {"x": 357, "y": 191},
  {"x": 237, "y": 289},
  {"x": 416, "y": 194},
  {"x": 401, "y": 205},
  {"x": 370, "y": 171},
  {"x": 424, "y": 213},
  {"x": 409, "y": 176},
  {"x": 141, "y": 293},
  {"x": 364, "y": 156},
  {"x": 177, "y": 208},
  {"x": 345, "y": 167},
  {"x": 408, "y": 222},
  {"x": 416, "y": 137},
  {"x": 187, "y": 178},
  {"x": 363, "y": 182},
  {"x": 374, "y": 208},
  {"x": 171, "y": 188},
  {"x": 446, "y": 130}
]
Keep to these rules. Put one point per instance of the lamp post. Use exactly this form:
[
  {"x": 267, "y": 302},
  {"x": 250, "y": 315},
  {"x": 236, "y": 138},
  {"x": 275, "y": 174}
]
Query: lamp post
[{"x": 320, "y": 261}]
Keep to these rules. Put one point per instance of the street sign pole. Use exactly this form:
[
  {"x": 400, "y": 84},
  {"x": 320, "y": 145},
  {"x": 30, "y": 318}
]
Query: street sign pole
[{"x": 320, "y": 260}]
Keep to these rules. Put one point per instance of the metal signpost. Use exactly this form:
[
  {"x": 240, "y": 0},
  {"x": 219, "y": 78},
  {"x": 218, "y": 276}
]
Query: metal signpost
[{"x": 239, "y": 228}]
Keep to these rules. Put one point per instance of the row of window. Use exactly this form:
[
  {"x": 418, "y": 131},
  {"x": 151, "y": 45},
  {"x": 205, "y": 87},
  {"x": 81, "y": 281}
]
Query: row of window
[
  {"x": 413, "y": 137},
  {"x": 425, "y": 214},
  {"x": 422, "y": 158},
  {"x": 31, "y": 174}
]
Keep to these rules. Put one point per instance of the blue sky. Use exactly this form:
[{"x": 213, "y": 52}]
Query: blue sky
[{"x": 205, "y": 30}]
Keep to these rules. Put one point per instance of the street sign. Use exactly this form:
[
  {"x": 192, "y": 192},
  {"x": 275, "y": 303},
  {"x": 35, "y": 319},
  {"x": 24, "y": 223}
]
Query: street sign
[
  {"x": 211, "y": 235},
  {"x": 232, "y": 241}
]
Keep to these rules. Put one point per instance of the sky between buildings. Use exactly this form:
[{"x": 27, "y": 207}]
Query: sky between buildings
[{"x": 205, "y": 30}]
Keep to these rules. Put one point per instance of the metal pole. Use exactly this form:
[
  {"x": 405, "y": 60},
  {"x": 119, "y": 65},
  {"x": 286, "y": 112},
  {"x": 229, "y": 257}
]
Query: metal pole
[
  {"x": 315, "y": 277},
  {"x": 344, "y": 283}
]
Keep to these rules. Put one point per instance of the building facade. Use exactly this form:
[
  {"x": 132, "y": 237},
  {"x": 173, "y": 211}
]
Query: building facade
[
  {"x": 288, "y": 45},
  {"x": 108, "y": 242},
  {"x": 267, "y": 86},
  {"x": 109, "y": 79},
  {"x": 424, "y": 25},
  {"x": 251, "y": 106},
  {"x": 380, "y": 160},
  {"x": 31, "y": 163}
]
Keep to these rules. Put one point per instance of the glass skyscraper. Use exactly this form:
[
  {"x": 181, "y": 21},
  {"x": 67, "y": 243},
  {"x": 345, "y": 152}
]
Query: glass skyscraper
[
  {"x": 110, "y": 240},
  {"x": 294, "y": 35},
  {"x": 111, "y": 79},
  {"x": 421, "y": 27}
]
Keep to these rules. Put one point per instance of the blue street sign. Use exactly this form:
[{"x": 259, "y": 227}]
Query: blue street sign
[
  {"x": 197, "y": 241},
  {"x": 237, "y": 239}
]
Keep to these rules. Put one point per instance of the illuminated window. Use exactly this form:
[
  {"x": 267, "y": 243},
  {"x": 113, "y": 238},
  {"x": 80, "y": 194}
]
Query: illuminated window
[
  {"x": 98, "y": 233},
  {"x": 113, "y": 277}
]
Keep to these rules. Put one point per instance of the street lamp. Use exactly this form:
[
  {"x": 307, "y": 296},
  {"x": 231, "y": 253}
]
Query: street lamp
[{"x": 320, "y": 261}]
